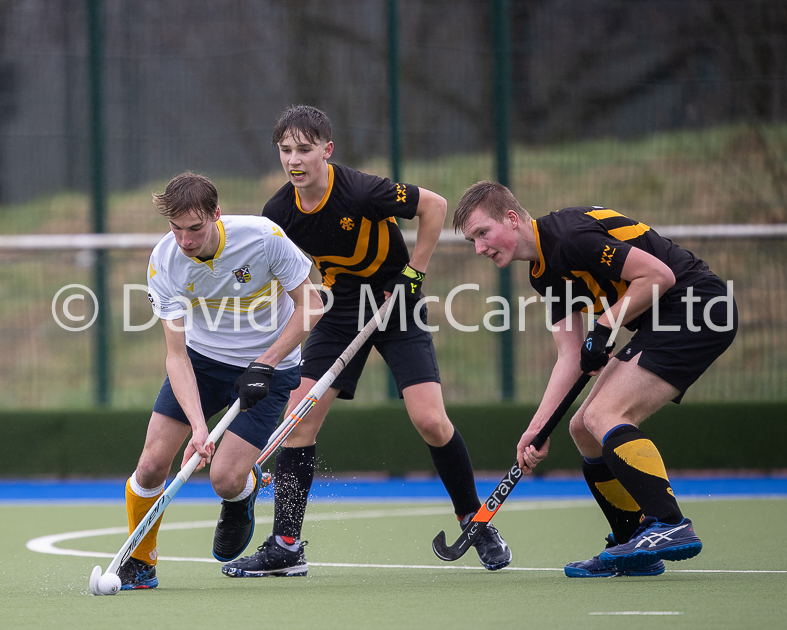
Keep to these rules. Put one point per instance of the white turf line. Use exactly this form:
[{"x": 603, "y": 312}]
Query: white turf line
[
  {"x": 639, "y": 612},
  {"x": 46, "y": 544}
]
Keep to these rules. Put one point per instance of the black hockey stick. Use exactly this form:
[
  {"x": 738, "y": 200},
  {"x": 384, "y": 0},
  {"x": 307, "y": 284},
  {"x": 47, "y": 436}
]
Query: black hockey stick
[{"x": 506, "y": 485}]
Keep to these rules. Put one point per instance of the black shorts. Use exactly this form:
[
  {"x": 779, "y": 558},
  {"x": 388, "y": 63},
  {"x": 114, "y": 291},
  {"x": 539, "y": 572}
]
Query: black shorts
[
  {"x": 409, "y": 353},
  {"x": 681, "y": 356},
  {"x": 215, "y": 382}
]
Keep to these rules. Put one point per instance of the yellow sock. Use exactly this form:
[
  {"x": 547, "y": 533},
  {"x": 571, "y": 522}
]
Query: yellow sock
[{"x": 136, "y": 508}]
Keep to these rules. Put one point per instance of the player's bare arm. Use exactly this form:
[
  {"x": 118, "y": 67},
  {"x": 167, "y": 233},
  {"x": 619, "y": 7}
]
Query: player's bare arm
[
  {"x": 184, "y": 385},
  {"x": 642, "y": 271},
  {"x": 564, "y": 375},
  {"x": 431, "y": 213}
]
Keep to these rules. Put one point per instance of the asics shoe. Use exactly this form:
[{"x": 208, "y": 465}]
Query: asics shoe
[
  {"x": 236, "y": 523},
  {"x": 651, "y": 542},
  {"x": 595, "y": 568},
  {"x": 270, "y": 559},
  {"x": 492, "y": 549},
  {"x": 136, "y": 574}
]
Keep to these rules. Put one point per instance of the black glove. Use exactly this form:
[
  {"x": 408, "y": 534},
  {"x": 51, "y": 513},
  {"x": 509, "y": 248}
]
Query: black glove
[
  {"x": 253, "y": 385},
  {"x": 411, "y": 280},
  {"x": 595, "y": 353}
]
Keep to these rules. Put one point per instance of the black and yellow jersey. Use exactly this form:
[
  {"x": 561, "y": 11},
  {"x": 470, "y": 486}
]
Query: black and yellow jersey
[
  {"x": 351, "y": 235},
  {"x": 587, "y": 246}
]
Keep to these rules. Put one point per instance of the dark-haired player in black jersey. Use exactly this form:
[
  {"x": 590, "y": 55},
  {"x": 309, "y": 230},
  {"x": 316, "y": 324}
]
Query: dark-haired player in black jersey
[
  {"x": 346, "y": 221},
  {"x": 593, "y": 258}
]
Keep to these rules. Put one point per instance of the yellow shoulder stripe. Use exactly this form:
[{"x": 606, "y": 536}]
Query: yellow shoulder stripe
[
  {"x": 629, "y": 232},
  {"x": 603, "y": 213}
]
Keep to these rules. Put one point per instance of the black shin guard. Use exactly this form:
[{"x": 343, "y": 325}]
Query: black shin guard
[
  {"x": 292, "y": 481},
  {"x": 455, "y": 469},
  {"x": 619, "y": 507},
  {"x": 637, "y": 465}
]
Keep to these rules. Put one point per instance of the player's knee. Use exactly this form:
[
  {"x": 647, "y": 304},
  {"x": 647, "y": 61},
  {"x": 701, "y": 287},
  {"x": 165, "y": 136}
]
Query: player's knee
[
  {"x": 434, "y": 427},
  {"x": 226, "y": 488},
  {"x": 598, "y": 421},
  {"x": 150, "y": 473},
  {"x": 227, "y": 484},
  {"x": 577, "y": 428},
  {"x": 584, "y": 440}
]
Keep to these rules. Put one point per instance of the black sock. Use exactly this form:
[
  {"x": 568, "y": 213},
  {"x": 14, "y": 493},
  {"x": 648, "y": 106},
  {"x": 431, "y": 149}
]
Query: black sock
[
  {"x": 615, "y": 502},
  {"x": 455, "y": 469},
  {"x": 292, "y": 481},
  {"x": 636, "y": 463}
]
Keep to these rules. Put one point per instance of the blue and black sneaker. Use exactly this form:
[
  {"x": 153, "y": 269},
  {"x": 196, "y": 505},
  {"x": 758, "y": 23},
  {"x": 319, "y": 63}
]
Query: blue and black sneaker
[
  {"x": 595, "y": 568},
  {"x": 236, "y": 523},
  {"x": 651, "y": 542},
  {"x": 136, "y": 574}
]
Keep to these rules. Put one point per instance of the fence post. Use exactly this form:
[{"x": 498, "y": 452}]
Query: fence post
[
  {"x": 393, "y": 120},
  {"x": 501, "y": 106},
  {"x": 95, "y": 34}
]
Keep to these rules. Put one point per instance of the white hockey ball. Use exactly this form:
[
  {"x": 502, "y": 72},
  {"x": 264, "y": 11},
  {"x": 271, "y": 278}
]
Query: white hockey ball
[{"x": 108, "y": 584}]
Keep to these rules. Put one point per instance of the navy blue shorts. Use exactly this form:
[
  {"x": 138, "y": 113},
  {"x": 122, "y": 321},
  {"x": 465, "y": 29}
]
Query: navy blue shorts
[
  {"x": 681, "y": 356},
  {"x": 215, "y": 381},
  {"x": 409, "y": 353}
]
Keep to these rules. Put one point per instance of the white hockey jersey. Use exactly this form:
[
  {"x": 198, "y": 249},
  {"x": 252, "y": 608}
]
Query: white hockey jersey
[{"x": 235, "y": 305}]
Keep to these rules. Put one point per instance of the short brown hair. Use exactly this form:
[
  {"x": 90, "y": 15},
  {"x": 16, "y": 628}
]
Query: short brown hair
[
  {"x": 186, "y": 192},
  {"x": 495, "y": 200},
  {"x": 312, "y": 124}
]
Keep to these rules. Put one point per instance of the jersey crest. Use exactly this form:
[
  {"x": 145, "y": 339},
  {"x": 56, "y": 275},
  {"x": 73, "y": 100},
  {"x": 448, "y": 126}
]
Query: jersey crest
[{"x": 242, "y": 275}]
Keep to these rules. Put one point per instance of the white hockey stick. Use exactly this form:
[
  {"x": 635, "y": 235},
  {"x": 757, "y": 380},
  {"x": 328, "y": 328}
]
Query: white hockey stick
[
  {"x": 111, "y": 584},
  {"x": 155, "y": 512}
]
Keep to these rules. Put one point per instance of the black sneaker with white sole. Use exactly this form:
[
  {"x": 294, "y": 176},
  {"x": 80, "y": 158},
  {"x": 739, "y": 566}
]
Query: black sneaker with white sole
[
  {"x": 492, "y": 549},
  {"x": 271, "y": 559}
]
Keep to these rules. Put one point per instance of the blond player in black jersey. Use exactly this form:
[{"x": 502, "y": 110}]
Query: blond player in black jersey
[
  {"x": 346, "y": 220},
  {"x": 594, "y": 258}
]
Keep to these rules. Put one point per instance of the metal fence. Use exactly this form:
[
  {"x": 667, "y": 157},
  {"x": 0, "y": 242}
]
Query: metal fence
[
  {"x": 671, "y": 116},
  {"x": 44, "y": 364}
]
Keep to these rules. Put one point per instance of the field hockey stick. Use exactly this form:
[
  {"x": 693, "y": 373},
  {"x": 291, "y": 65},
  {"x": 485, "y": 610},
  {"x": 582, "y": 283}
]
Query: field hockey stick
[
  {"x": 278, "y": 436},
  {"x": 274, "y": 441},
  {"x": 321, "y": 386},
  {"x": 155, "y": 512},
  {"x": 506, "y": 485}
]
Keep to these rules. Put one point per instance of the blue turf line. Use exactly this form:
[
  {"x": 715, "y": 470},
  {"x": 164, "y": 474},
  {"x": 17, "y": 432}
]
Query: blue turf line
[{"x": 360, "y": 489}]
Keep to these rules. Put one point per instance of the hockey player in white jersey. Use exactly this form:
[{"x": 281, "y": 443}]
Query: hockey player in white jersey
[{"x": 235, "y": 300}]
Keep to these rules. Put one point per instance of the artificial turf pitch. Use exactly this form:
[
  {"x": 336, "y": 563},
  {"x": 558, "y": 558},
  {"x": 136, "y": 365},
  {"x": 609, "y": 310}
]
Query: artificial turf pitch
[{"x": 371, "y": 566}]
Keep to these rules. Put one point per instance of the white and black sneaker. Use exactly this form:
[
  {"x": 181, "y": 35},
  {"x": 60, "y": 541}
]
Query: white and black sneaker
[
  {"x": 271, "y": 559},
  {"x": 492, "y": 549}
]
